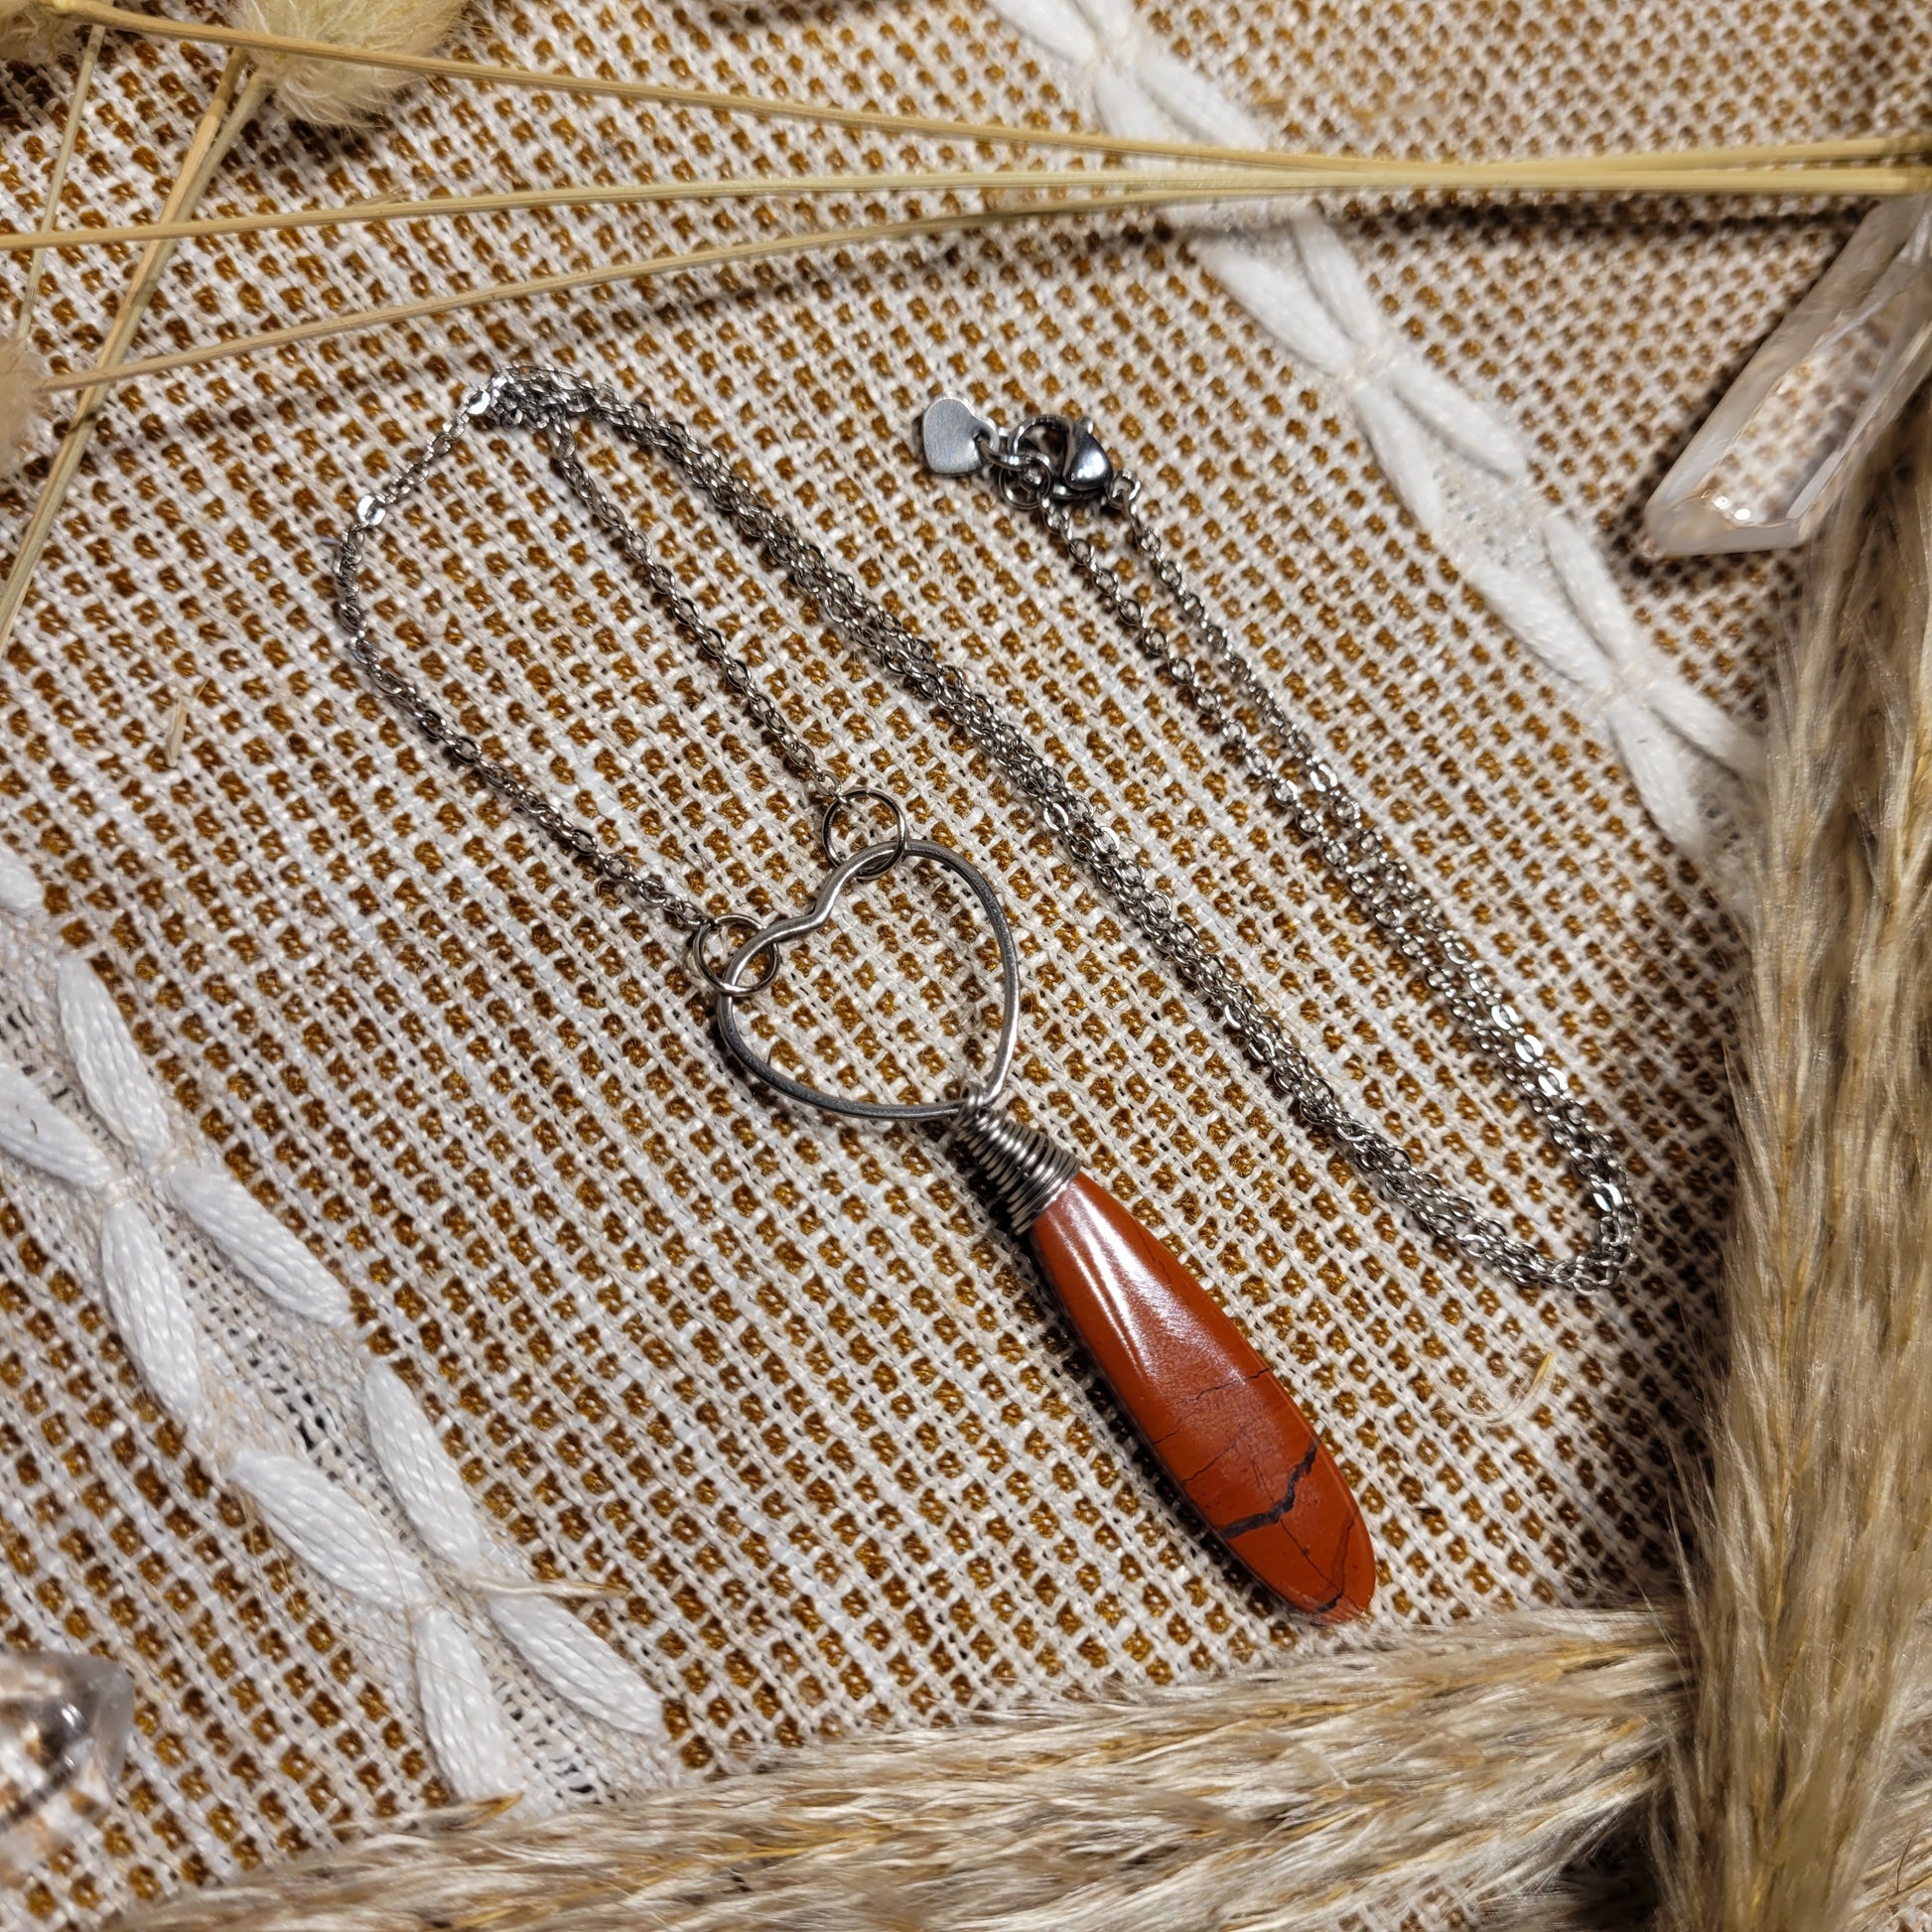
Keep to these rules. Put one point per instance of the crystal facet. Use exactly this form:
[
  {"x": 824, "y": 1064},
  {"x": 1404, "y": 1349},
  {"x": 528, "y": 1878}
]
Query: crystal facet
[
  {"x": 1773, "y": 457},
  {"x": 64, "y": 1725}
]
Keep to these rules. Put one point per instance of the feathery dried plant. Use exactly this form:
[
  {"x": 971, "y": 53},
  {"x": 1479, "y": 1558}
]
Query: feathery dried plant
[
  {"x": 1467, "y": 1762},
  {"x": 33, "y": 32},
  {"x": 20, "y": 374},
  {"x": 1815, "y": 1558},
  {"x": 333, "y": 93}
]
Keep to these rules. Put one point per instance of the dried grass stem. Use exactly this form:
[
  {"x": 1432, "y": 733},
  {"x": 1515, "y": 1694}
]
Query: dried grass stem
[
  {"x": 1627, "y": 173},
  {"x": 1177, "y": 184},
  {"x": 763, "y": 248}
]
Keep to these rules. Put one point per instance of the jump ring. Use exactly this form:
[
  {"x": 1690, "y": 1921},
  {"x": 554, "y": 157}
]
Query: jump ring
[
  {"x": 835, "y": 809},
  {"x": 730, "y": 923}
]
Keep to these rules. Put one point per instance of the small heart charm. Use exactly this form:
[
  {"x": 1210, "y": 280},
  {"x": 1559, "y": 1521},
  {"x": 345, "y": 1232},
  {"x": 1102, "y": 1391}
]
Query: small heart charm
[
  {"x": 866, "y": 864},
  {"x": 951, "y": 435}
]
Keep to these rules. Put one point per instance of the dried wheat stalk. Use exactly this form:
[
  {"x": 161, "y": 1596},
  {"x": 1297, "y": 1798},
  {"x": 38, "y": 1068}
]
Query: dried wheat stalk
[
  {"x": 276, "y": 30},
  {"x": 722, "y": 254},
  {"x": 21, "y": 369},
  {"x": 654, "y": 190},
  {"x": 328, "y": 94},
  {"x": 228, "y": 110},
  {"x": 1216, "y": 184},
  {"x": 56, "y": 182}
]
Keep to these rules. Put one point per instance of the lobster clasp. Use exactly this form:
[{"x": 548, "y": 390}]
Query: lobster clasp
[
  {"x": 1046, "y": 459},
  {"x": 1077, "y": 469}
]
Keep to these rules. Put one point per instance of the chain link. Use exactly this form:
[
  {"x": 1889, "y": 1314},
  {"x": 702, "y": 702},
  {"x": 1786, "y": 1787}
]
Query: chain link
[
  {"x": 1227, "y": 698},
  {"x": 1232, "y": 705}
]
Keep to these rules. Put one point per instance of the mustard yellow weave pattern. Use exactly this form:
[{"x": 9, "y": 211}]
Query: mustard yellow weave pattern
[{"x": 781, "y": 1391}]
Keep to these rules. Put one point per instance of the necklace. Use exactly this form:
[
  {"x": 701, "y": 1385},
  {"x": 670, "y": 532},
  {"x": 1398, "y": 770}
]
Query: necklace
[{"x": 1209, "y": 1410}]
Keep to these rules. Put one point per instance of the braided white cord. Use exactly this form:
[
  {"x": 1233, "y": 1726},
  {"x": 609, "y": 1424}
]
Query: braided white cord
[
  {"x": 1459, "y": 467},
  {"x": 142, "y": 1160}
]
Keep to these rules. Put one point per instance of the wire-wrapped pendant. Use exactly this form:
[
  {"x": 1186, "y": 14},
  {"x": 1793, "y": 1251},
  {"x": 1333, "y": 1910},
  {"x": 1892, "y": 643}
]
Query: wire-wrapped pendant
[{"x": 1226, "y": 1431}]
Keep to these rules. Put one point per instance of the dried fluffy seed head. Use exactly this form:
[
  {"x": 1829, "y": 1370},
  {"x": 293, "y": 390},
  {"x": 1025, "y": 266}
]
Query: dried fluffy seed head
[
  {"x": 30, "y": 33},
  {"x": 1815, "y": 1553},
  {"x": 20, "y": 374},
  {"x": 332, "y": 93}
]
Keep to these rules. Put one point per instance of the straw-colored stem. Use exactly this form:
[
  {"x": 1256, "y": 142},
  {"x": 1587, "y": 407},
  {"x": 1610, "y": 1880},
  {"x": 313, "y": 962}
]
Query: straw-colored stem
[
  {"x": 1226, "y": 183},
  {"x": 1864, "y": 147},
  {"x": 1557, "y": 171},
  {"x": 766, "y": 248},
  {"x": 56, "y": 180},
  {"x": 234, "y": 106},
  {"x": 659, "y": 93},
  {"x": 1218, "y": 184}
]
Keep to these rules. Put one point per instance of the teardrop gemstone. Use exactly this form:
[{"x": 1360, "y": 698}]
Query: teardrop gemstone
[{"x": 1217, "y": 1420}]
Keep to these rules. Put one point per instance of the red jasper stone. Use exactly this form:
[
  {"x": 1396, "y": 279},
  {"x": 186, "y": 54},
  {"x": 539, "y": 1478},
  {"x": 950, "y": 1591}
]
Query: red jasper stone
[{"x": 1207, "y": 1406}]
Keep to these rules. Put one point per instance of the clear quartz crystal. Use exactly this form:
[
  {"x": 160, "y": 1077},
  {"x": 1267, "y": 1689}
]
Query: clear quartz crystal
[
  {"x": 64, "y": 1725},
  {"x": 1766, "y": 466}
]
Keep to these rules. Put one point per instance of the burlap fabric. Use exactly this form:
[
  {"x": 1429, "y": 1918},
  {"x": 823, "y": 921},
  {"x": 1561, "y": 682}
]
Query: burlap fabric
[{"x": 784, "y": 1391}]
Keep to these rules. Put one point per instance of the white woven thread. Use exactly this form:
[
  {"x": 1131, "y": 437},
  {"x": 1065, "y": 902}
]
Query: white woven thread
[
  {"x": 329, "y": 1529},
  {"x": 577, "y": 1663},
  {"x": 20, "y": 890},
  {"x": 273, "y": 1260},
  {"x": 428, "y": 1484},
  {"x": 460, "y": 1709},
  {"x": 149, "y": 1308},
  {"x": 113, "y": 1073},
  {"x": 33, "y": 1130},
  {"x": 332, "y": 1530},
  {"x": 1556, "y": 594}
]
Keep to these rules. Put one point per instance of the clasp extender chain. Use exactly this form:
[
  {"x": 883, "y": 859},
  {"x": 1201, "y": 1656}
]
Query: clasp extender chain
[{"x": 550, "y": 403}]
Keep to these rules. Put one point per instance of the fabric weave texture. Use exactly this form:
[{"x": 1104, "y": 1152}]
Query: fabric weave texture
[{"x": 779, "y": 1394}]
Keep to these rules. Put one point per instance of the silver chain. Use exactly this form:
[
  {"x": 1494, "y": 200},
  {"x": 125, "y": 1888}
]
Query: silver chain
[{"x": 1221, "y": 688}]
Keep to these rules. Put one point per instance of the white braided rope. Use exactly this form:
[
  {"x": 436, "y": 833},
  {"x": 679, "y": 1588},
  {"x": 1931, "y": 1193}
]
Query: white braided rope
[
  {"x": 1460, "y": 468},
  {"x": 143, "y": 1157}
]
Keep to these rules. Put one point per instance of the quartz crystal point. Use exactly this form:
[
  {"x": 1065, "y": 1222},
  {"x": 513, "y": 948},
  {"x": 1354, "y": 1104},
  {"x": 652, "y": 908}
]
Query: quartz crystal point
[
  {"x": 64, "y": 1725},
  {"x": 1767, "y": 465}
]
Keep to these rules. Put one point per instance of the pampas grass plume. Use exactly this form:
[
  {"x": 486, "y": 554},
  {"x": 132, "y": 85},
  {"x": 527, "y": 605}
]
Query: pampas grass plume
[
  {"x": 1816, "y": 1548},
  {"x": 332, "y": 93},
  {"x": 32, "y": 32},
  {"x": 1464, "y": 1763}
]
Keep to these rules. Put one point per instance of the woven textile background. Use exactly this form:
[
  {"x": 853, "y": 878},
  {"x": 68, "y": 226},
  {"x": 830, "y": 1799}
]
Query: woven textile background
[{"x": 784, "y": 1391}]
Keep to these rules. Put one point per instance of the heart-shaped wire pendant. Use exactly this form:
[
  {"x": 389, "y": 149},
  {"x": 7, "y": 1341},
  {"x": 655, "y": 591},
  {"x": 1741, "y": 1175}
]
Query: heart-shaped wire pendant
[{"x": 750, "y": 966}]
